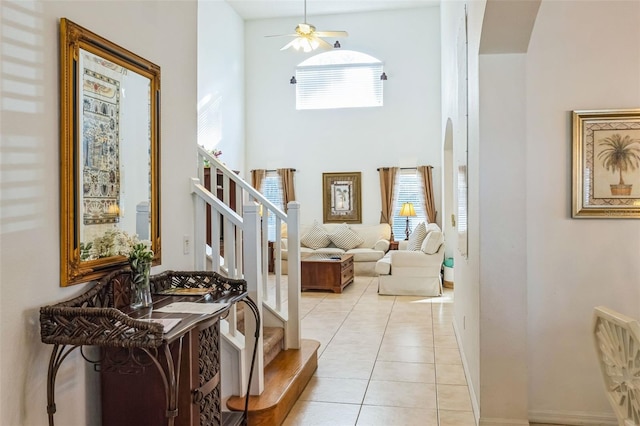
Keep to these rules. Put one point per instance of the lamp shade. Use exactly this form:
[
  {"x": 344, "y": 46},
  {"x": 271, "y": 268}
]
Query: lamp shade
[{"x": 407, "y": 210}]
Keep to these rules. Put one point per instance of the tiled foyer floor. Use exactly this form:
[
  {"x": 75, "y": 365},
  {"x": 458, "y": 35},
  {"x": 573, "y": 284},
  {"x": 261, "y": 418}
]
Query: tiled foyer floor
[{"x": 383, "y": 360}]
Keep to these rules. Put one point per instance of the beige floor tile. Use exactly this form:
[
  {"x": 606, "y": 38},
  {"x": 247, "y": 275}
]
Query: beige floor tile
[
  {"x": 397, "y": 353},
  {"x": 456, "y": 418},
  {"x": 396, "y": 416},
  {"x": 447, "y": 329},
  {"x": 410, "y": 317},
  {"x": 448, "y": 356},
  {"x": 450, "y": 374},
  {"x": 401, "y": 394},
  {"x": 328, "y": 389},
  {"x": 404, "y": 372},
  {"x": 345, "y": 368},
  {"x": 371, "y": 337},
  {"x": 408, "y": 337},
  {"x": 351, "y": 351},
  {"x": 310, "y": 413},
  {"x": 322, "y": 321},
  {"x": 454, "y": 397},
  {"x": 322, "y": 336},
  {"x": 377, "y": 359},
  {"x": 445, "y": 341}
]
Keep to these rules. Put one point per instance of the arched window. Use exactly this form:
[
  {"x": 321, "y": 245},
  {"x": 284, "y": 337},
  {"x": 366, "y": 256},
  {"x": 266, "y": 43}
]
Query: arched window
[{"x": 339, "y": 79}]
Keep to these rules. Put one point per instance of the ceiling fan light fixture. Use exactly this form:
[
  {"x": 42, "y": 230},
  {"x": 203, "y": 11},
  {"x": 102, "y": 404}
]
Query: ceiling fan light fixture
[{"x": 308, "y": 39}]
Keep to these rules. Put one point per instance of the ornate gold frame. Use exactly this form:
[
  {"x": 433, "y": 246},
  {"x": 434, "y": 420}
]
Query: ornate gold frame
[
  {"x": 596, "y": 192},
  {"x": 73, "y": 38},
  {"x": 332, "y": 183}
]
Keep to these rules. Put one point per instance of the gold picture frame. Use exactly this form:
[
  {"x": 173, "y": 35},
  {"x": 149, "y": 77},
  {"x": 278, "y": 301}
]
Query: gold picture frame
[
  {"x": 606, "y": 164},
  {"x": 341, "y": 197}
]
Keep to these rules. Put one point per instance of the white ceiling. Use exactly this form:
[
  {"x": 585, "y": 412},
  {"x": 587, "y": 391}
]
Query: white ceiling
[{"x": 263, "y": 9}]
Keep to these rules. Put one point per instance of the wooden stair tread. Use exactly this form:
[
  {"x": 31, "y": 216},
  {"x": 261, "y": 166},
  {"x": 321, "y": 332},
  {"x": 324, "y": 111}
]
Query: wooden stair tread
[{"x": 284, "y": 380}]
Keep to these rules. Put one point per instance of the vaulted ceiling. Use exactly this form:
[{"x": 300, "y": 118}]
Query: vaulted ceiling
[{"x": 264, "y": 9}]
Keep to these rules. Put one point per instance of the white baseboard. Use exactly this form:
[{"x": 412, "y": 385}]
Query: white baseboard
[
  {"x": 474, "y": 398},
  {"x": 572, "y": 418},
  {"x": 512, "y": 422}
]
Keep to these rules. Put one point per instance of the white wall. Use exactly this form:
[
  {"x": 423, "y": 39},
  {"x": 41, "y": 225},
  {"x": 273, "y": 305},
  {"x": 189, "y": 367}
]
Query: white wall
[
  {"x": 571, "y": 265},
  {"x": 466, "y": 269},
  {"x": 221, "y": 81},
  {"x": 29, "y": 217},
  {"x": 503, "y": 260},
  {"x": 221, "y": 106},
  {"x": 582, "y": 55},
  {"x": 405, "y": 132}
]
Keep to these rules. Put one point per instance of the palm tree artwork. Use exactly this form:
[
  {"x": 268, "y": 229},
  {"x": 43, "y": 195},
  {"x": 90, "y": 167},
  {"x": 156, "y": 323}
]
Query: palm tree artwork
[
  {"x": 342, "y": 198},
  {"x": 621, "y": 154}
]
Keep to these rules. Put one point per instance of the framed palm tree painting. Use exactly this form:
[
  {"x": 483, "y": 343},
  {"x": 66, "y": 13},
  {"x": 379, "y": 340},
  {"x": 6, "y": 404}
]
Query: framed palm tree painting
[
  {"x": 606, "y": 164},
  {"x": 341, "y": 199}
]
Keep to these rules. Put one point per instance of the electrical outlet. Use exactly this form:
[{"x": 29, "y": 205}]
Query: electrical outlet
[{"x": 186, "y": 244}]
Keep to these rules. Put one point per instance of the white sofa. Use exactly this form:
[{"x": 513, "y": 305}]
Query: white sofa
[
  {"x": 413, "y": 269},
  {"x": 374, "y": 245}
]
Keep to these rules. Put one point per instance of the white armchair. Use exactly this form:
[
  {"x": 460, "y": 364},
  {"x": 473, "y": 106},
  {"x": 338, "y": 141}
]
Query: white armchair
[{"x": 413, "y": 272}]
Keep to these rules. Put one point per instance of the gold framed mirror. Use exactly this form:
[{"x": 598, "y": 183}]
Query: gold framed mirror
[{"x": 109, "y": 153}]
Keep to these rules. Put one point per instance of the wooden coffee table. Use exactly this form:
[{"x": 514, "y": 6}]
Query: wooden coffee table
[{"x": 321, "y": 272}]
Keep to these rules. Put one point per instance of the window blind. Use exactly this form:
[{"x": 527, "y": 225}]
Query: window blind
[
  {"x": 408, "y": 189},
  {"x": 272, "y": 191}
]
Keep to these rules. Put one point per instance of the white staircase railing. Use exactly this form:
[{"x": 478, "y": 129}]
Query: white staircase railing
[{"x": 239, "y": 248}]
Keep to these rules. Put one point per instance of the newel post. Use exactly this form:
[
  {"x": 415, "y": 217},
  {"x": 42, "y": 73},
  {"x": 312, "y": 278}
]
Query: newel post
[
  {"x": 293, "y": 244},
  {"x": 252, "y": 274}
]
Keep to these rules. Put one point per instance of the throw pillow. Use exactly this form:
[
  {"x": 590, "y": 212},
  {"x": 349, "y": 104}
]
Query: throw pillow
[
  {"x": 316, "y": 238},
  {"x": 432, "y": 242},
  {"x": 417, "y": 237},
  {"x": 345, "y": 238}
]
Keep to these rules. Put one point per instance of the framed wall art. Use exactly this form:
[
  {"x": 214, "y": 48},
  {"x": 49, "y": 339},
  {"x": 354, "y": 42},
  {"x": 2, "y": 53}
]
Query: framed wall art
[
  {"x": 606, "y": 164},
  {"x": 341, "y": 199}
]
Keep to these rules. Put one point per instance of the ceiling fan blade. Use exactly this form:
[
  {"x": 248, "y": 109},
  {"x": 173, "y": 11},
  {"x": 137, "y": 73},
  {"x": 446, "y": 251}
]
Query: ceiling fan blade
[
  {"x": 332, "y": 33},
  {"x": 288, "y": 45},
  {"x": 324, "y": 44}
]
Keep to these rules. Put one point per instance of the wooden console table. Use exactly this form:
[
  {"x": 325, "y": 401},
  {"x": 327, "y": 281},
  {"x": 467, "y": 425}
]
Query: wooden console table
[
  {"x": 147, "y": 376},
  {"x": 322, "y": 272}
]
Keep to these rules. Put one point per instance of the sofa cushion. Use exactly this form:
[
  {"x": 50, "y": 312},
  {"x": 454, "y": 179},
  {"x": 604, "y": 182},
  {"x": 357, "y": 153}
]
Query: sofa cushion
[
  {"x": 365, "y": 255},
  {"x": 316, "y": 238},
  {"x": 304, "y": 252},
  {"x": 345, "y": 238},
  {"x": 417, "y": 237},
  {"x": 330, "y": 250},
  {"x": 432, "y": 242}
]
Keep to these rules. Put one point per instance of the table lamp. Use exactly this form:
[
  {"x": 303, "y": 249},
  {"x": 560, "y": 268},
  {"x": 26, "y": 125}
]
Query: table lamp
[{"x": 407, "y": 211}]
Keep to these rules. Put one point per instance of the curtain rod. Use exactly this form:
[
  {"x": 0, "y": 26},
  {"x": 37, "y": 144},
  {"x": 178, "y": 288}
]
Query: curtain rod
[
  {"x": 271, "y": 170},
  {"x": 401, "y": 168}
]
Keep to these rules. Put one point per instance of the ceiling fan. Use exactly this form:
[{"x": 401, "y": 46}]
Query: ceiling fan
[{"x": 307, "y": 38}]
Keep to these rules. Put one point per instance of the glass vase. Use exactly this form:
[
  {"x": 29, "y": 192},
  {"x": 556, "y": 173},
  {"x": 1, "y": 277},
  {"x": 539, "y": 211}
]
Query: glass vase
[{"x": 140, "y": 295}]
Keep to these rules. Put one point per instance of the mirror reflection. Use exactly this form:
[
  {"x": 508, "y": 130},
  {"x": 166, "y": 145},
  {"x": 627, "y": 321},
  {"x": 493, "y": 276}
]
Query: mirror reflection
[
  {"x": 110, "y": 99},
  {"x": 114, "y": 159}
]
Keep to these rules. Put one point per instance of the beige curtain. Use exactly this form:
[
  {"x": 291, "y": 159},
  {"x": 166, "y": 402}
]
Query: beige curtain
[
  {"x": 288, "y": 190},
  {"x": 425, "y": 174},
  {"x": 257, "y": 176},
  {"x": 387, "y": 188}
]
